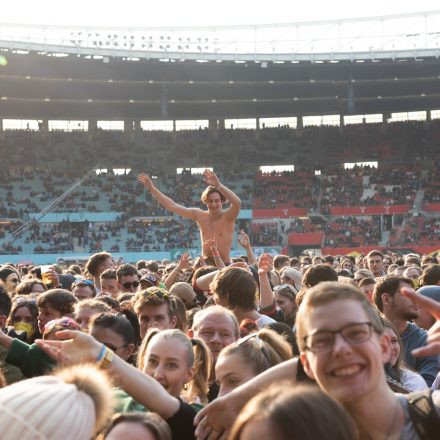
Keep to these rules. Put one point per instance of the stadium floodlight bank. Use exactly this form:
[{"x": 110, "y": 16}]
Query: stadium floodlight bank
[{"x": 413, "y": 35}]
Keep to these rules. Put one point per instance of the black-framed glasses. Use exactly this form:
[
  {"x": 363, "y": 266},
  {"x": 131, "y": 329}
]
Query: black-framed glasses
[
  {"x": 129, "y": 284},
  {"x": 355, "y": 333}
]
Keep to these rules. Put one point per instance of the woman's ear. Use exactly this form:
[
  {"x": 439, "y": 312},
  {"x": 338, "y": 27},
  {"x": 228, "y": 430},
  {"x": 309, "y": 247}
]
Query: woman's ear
[{"x": 306, "y": 365}]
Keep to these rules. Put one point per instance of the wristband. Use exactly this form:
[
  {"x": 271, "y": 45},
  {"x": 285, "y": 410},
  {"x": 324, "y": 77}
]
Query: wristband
[
  {"x": 107, "y": 359},
  {"x": 101, "y": 353}
]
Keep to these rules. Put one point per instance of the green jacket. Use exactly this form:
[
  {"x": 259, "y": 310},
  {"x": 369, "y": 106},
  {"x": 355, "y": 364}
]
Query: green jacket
[
  {"x": 12, "y": 374},
  {"x": 30, "y": 359}
]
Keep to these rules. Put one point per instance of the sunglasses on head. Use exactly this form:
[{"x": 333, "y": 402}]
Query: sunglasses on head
[
  {"x": 128, "y": 284},
  {"x": 86, "y": 282}
]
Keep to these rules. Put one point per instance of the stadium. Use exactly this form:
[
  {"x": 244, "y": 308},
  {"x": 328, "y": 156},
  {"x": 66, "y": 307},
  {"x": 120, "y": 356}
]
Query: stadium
[{"x": 328, "y": 131}]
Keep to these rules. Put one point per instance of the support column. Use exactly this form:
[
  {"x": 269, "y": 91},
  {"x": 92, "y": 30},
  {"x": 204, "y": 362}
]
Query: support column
[{"x": 93, "y": 125}]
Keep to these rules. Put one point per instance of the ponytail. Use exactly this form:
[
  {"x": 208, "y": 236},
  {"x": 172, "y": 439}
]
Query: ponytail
[{"x": 198, "y": 387}]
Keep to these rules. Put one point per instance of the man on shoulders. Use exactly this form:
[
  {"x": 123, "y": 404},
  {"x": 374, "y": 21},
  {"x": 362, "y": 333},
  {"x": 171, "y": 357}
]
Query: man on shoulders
[{"x": 216, "y": 224}]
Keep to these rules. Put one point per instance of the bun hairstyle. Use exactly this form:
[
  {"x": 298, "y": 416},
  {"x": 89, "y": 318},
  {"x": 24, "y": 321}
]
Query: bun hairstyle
[
  {"x": 198, "y": 356},
  {"x": 74, "y": 404},
  {"x": 261, "y": 350}
]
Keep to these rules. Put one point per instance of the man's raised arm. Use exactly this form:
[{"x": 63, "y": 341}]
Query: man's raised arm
[
  {"x": 165, "y": 201},
  {"x": 212, "y": 180}
]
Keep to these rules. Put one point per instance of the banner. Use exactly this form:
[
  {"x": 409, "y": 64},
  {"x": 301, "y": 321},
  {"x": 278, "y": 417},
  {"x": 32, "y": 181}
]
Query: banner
[
  {"x": 279, "y": 213},
  {"x": 369, "y": 210},
  {"x": 312, "y": 238}
]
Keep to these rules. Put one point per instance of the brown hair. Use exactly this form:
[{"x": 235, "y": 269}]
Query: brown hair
[
  {"x": 302, "y": 412},
  {"x": 374, "y": 253},
  {"x": 388, "y": 284},
  {"x": 154, "y": 296},
  {"x": 26, "y": 286},
  {"x": 108, "y": 274},
  {"x": 430, "y": 275},
  {"x": 59, "y": 299},
  {"x": 92, "y": 265},
  {"x": 210, "y": 190},
  {"x": 151, "y": 421},
  {"x": 236, "y": 286},
  {"x": 198, "y": 356},
  {"x": 325, "y": 293},
  {"x": 261, "y": 350}
]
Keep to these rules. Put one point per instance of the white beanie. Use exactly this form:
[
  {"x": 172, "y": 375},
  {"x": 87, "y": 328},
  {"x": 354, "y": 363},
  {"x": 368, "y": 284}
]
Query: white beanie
[{"x": 47, "y": 408}]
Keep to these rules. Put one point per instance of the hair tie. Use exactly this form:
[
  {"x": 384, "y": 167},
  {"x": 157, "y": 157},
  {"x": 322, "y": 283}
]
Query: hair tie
[{"x": 193, "y": 342}]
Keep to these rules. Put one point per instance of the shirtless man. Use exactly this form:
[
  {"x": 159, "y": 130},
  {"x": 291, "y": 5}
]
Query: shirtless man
[{"x": 215, "y": 224}]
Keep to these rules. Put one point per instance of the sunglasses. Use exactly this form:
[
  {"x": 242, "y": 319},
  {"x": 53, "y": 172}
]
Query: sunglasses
[
  {"x": 127, "y": 285},
  {"x": 83, "y": 282},
  {"x": 114, "y": 348}
]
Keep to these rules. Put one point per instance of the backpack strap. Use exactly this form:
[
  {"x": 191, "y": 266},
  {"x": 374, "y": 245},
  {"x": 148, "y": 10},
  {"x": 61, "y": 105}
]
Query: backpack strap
[{"x": 424, "y": 414}]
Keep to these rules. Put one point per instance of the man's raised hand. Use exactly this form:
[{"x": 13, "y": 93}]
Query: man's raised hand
[
  {"x": 211, "y": 179},
  {"x": 433, "y": 308},
  {"x": 146, "y": 181},
  {"x": 264, "y": 264}
]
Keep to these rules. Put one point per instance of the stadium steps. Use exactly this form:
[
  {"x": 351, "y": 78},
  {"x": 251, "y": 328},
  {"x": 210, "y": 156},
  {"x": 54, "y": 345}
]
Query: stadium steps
[
  {"x": 418, "y": 200},
  {"x": 385, "y": 238}
]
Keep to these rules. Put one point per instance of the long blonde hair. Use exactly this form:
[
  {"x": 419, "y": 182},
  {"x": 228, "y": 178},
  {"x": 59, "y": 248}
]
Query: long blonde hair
[{"x": 198, "y": 357}]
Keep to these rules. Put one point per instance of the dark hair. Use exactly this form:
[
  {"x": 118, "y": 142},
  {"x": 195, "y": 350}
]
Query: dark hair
[
  {"x": 26, "y": 286},
  {"x": 366, "y": 282},
  {"x": 300, "y": 412},
  {"x": 280, "y": 260},
  {"x": 317, "y": 274},
  {"x": 126, "y": 270},
  {"x": 294, "y": 261},
  {"x": 111, "y": 302},
  {"x": 59, "y": 299},
  {"x": 236, "y": 286},
  {"x": 152, "y": 266},
  {"x": 329, "y": 259},
  {"x": 117, "y": 323},
  {"x": 5, "y": 303},
  {"x": 92, "y": 265},
  {"x": 430, "y": 276},
  {"x": 5, "y": 271},
  {"x": 287, "y": 332},
  {"x": 29, "y": 302},
  {"x": 389, "y": 284}
]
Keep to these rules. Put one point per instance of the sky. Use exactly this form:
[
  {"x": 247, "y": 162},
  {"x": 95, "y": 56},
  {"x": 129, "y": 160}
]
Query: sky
[{"x": 196, "y": 12}]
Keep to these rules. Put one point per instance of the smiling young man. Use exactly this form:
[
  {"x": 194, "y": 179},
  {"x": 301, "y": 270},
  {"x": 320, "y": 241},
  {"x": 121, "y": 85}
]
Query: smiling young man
[
  {"x": 343, "y": 348},
  {"x": 215, "y": 224}
]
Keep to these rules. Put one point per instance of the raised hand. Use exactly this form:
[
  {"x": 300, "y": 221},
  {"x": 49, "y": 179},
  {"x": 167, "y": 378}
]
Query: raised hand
[
  {"x": 146, "y": 181},
  {"x": 264, "y": 264},
  {"x": 74, "y": 348},
  {"x": 211, "y": 179},
  {"x": 433, "y": 308},
  {"x": 184, "y": 261},
  {"x": 243, "y": 239}
]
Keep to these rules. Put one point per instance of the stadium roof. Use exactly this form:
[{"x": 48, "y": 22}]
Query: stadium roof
[{"x": 105, "y": 73}]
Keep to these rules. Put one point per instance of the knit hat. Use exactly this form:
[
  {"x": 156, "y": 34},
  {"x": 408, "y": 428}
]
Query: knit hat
[
  {"x": 51, "y": 408},
  {"x": 294, "y": 275}
]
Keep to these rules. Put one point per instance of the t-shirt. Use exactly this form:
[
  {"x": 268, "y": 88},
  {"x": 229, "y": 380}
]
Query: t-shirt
[
  {"x": 412, "y": 381},
  {"x": 427, "y": 366},
  {"x": 409, "y": 432}
]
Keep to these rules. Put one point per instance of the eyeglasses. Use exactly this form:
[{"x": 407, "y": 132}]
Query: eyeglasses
[
  {"x": 322, "y": 341},
  {"x": 127, "y": 284}
]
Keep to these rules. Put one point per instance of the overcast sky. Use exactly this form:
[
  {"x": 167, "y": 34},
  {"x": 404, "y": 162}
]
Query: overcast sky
[{"x": 197, "y": 12}]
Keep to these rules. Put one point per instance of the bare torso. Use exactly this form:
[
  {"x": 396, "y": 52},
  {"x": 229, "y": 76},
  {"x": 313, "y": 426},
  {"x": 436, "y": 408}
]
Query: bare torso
[{"x": 220, "y": 229}]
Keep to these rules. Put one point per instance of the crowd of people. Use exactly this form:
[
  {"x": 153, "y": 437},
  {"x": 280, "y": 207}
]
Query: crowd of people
[{"x": 260, "y": 347}]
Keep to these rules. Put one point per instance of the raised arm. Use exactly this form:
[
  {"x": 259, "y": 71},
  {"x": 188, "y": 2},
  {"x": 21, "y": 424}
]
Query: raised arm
[
  {"x": 212, "y": 180},
  {"x": 165, "y": 201},
  {"x": 80, "y": 347},
  {"x": 219, "y": 416},
  {"x": 266, "y": 295},
  {"x": 244, "y": 241},
  {"x": 174, "y": 274}
]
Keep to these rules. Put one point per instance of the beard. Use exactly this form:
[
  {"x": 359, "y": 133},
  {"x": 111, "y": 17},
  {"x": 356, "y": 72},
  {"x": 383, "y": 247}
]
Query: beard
[{"x": 410, "y": 315}]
